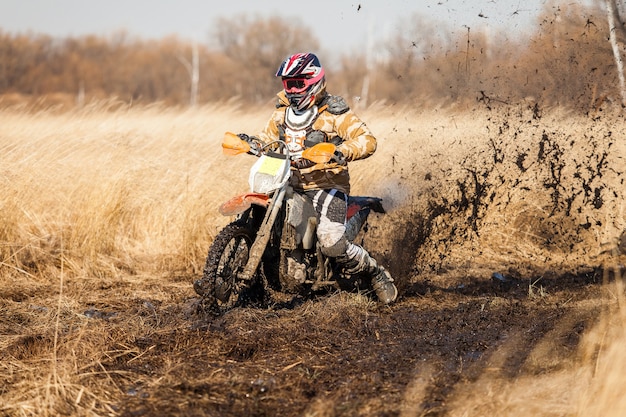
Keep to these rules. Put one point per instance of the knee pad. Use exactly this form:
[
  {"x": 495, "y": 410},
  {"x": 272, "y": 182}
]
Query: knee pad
[{"x": 337, "y": 249}]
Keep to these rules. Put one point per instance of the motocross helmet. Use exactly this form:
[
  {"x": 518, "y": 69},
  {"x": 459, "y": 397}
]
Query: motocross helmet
[{"x": 303, "y": 80}]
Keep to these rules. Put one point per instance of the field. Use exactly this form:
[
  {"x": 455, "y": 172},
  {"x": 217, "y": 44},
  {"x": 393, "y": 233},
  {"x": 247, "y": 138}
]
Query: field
[{"x": 503, "y": 232}]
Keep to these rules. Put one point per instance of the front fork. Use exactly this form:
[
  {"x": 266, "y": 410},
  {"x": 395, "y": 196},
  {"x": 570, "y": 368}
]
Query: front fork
[{"x": 263, "y": 236}]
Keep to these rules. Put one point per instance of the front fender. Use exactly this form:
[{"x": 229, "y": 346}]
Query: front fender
[{"x": 243, "y": 202}]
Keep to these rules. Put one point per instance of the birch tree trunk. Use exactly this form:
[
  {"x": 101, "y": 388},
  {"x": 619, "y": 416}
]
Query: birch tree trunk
[
  {"x": 193, "y": 69},
  {"x": 612, "y": 15},
  {"x": 195, "y": 75},
  {"x": 614, "y": 222}
]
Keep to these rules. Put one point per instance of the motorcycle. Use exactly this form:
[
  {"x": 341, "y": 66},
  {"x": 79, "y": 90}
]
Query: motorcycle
[{"x": 271, "y": 246}]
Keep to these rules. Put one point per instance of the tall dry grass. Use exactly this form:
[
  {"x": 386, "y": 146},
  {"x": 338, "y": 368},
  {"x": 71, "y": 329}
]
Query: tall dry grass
[
  {"x": 126, "y": 199},
  {"x": 107, "y": 191}
]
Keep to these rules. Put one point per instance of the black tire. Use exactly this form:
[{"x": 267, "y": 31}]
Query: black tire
[{"x": 227, "y": 257}]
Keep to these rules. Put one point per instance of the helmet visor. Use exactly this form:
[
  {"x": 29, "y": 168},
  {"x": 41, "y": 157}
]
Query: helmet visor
[{"x": 296, "y": 85}]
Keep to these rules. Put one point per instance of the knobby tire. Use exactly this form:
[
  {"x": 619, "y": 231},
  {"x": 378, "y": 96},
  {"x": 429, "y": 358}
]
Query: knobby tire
[{"x": 227, "y": 257}]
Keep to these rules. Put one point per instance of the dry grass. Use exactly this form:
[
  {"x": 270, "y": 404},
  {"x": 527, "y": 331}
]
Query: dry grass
[
  {"x": 124, "y": 202},
  {"x": 107, "y": 189},
  {"x": 589, "y": 384}
]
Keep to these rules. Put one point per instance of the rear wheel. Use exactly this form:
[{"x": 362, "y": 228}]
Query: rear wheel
[{"x": 226, "y": 259}]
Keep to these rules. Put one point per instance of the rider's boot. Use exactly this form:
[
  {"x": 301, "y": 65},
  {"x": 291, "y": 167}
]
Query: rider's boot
[
  {"x": 357, "y": 260},
  {"x": 383, "y": 285}
]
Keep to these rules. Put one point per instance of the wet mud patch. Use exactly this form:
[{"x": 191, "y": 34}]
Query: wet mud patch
[{"x": 344, "y": 355}]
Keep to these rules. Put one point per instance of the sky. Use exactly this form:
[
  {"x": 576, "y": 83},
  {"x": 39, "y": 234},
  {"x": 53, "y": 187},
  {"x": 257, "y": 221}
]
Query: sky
[{"x": 339, "y": 25}]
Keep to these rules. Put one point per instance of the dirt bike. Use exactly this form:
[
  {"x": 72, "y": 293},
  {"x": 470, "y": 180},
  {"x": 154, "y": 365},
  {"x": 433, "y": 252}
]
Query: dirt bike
[{"x": 271, "y": 246}]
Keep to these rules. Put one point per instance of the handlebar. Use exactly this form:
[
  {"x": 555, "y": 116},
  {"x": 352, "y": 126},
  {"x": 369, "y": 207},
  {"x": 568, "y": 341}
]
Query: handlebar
[{"x": 320, "y": 153}]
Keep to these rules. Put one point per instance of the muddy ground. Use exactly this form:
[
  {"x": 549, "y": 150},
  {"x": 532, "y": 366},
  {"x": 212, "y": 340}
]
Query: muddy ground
[
  {"x": 513, "y": 194},
  {"x": 344, "y": 355}
]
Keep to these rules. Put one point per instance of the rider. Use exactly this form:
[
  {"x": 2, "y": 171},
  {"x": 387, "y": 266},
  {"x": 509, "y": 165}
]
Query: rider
[{"x": 305, "y": 115}]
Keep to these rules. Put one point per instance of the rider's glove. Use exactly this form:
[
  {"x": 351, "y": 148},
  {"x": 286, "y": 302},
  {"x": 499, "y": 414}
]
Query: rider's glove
[
  {"x": 302, "y": 163},
  {"x": 339, "y": 158},
  {"x": 255, "y": 145}
]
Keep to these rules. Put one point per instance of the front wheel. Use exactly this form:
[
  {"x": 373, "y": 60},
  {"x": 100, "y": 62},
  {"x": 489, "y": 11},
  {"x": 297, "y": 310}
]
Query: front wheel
[{"x": 227, "y": 258}]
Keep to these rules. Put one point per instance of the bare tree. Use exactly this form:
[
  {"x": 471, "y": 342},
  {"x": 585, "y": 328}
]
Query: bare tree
[
  {"x": 258, "y": 46},
  {"x": 614, "y": 22},
  {"x": 193, "y": 69},
  {"x": 619, "y": 22}
]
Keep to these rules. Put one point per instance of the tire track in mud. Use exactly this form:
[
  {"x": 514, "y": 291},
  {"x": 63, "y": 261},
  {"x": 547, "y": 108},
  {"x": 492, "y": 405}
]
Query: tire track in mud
[
  {"x": 343, "y": 355},
  {"x": 486, "y": 331}
]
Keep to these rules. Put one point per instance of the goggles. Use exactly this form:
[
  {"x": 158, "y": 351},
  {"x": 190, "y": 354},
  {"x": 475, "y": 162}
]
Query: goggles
[{"x": 296, "y": 85}]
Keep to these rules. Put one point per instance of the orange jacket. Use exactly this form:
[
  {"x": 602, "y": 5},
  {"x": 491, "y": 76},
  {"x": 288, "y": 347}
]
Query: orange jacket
[{"x": 338, "y": 124}]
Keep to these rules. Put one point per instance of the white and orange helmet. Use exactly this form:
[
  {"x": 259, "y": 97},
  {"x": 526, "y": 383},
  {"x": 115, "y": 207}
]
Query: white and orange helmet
[{"x": 303, "y": 80}]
